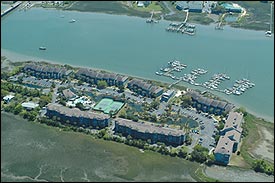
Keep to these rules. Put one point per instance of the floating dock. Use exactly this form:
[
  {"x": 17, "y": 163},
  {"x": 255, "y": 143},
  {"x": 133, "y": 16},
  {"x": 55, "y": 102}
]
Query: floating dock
[{"x": 15, "y": 5}]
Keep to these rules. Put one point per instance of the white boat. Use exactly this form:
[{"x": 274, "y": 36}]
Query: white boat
[
  {"x": 268, "y": 33},
  {"x": 42, "y": 48},
  {"x": 72, "y": 21}
]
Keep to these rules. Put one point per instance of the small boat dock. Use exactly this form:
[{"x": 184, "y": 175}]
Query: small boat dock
[
  {"x": 239, "y": 87},
  {"x": 15, "y": 5},
  {"x": 183, "y": 27}
]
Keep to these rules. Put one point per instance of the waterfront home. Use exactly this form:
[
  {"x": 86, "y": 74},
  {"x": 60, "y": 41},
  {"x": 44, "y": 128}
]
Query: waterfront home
[
  {"x": 167, "y": 95},
  {"x": 46, "y": 71},
  {"x": 223, "y": 150},
  {"x": 235, "y": 137},
  {"x": 143, "y": 88},
  {"x": 209, "y": 105},
  {"x": 93, "y": 77},
  {"x": 233, "y": 122},
  {"x": 8, "y": 98},
  {"x": 145, "y": 131},
  {"x": 77, "y": 117},
  {"x": 230, "y": 139},
  {"x": 29, "y": 105}
]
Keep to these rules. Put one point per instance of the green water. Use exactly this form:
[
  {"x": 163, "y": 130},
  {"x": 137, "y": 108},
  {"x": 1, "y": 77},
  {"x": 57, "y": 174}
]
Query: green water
[
  {"x": 28, "y": 148},
  {"x": 128, "y": 45},
  {"x": 35, "y": 152}
]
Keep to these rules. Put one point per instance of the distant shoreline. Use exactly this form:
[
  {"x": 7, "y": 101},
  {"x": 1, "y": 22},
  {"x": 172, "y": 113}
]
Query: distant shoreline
[{"x": 16, "y": 57}]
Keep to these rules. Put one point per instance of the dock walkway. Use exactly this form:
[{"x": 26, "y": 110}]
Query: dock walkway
[{"x": 15, "y": 5}]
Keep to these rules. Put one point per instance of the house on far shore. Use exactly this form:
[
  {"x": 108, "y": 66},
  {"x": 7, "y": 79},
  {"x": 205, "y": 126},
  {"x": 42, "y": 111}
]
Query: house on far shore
[
  {"x": 29, "y": 105},
  {"x": 7, "y": 98}
]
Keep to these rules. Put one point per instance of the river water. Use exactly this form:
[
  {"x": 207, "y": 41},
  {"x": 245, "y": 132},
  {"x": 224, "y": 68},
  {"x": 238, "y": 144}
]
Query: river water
[{"x": 128, "y": 45}]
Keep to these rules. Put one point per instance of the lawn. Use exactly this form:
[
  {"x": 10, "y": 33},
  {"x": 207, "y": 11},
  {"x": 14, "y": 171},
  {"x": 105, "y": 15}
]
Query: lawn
[{"x": 152, "y": 6}]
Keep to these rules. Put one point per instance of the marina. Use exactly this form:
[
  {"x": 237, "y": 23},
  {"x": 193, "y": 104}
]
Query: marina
[
  {"x": 213, "y": 49},
  {"x": 184, "y": 27},
  {"x": 239, "y": 87}
]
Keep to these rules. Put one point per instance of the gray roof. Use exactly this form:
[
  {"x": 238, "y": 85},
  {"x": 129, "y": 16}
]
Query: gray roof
[
  {"x": 222, "y": 104},
  {"x": 76, "y": 112},
  {"x": 229, "y": 107},
  {"x": 224, "y": 146},
  {"x": 214, "y": 103},
  {"x": 233, "y": 135},
  {"x": 38, "y": 67},
  {"x": 168, "y": 92},
  {"x": 158, "y": 89},
  {"x": 68, "y": 93},
  {"x": 148, "y": 128},
  {"x": 121, "y": 78},
  {"x": 234, "y": 120},
  {"x": 190, "y": 4}
]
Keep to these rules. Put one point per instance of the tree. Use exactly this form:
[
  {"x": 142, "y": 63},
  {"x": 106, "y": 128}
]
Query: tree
[
  {"x": 186, "y": 100},
  {"x": 18, "y": 109},
  {"x": 122, "y": 113},
  {"x": 80, "y": 106},
  {"x": 182, "y": 153},
  {"x": 242, "y": 110},
  {"x": 44, "y": 100},
  {"x": 121, "y": 88},
  {"x": 199, "y": 154},
  {"x": 102, "y": 84}
]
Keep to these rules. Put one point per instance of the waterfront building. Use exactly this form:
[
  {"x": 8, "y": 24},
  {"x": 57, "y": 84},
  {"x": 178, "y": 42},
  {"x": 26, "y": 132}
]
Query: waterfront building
[
  {"x": 29, "y": 105},
  {"x": 233, "y": 122},
  {"x": 230, "y": 139},
  {"x": 144, "y": 131},
  {"x": 46, "y": 71},
  {"x": 209, "y": 105},
  {"x": 223, "y": 150},
  {"x": 77, "y": 117},
  {"x": 93, "y": 77},
  {"x": 167, "y": 95},
  {"x": 145, "y": 89}
]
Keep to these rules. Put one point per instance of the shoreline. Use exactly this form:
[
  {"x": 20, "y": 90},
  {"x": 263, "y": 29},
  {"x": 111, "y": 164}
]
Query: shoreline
[
  {"x": 162, "y": 14},
  {"x": 17, "y": 57}
]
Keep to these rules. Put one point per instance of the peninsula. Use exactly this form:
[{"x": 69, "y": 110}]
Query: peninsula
[{"x": 150, "y": 115}]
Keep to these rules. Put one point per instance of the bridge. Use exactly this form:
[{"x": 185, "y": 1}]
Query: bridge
[{"x": 15, "y": 5}]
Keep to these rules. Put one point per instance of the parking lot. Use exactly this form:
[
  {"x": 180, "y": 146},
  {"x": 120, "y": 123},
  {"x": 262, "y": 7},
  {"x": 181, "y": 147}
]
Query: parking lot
[{"x": 207, "y": 129}]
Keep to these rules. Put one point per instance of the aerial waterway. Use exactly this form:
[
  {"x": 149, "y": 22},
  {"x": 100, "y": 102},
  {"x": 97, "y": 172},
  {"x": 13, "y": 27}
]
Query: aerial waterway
[{"x": 127, "y": 45}]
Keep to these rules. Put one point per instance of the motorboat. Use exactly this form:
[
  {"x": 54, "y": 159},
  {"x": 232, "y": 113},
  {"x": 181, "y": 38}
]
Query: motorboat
[
  {"x": 42, "y": 48},
  {"x": 72, "y": 21}
]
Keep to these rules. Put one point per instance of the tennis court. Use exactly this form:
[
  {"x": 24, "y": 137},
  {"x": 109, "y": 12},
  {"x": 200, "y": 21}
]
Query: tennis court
[{"x": 106, "y": 105}]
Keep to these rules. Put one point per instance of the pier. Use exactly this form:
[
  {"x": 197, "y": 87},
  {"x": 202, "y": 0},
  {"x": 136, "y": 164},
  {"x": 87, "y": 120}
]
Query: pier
[
  {"x": 213, "y": 83},
  {"x": 151, "y": 20},
  {"x": 176, "y": 82},
  {"x": 15, "y": 5},
  {"x": 183, "y": 27},
  {"x": 219, "y": 26}
]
